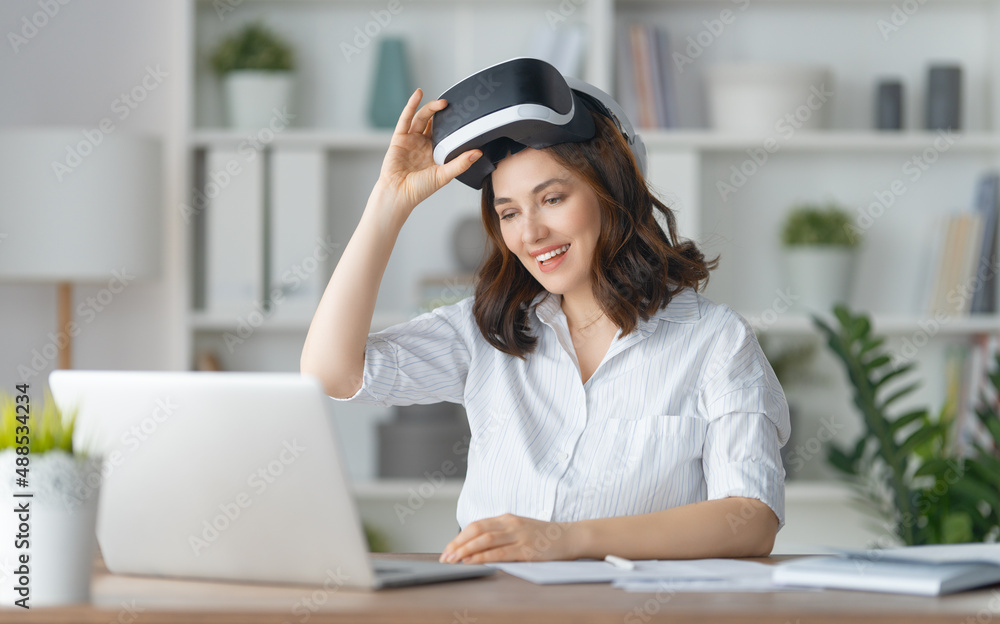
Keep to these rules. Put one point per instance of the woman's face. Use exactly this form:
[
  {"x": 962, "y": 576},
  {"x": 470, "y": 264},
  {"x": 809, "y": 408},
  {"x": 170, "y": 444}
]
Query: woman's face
[{"x": 542, "y": 206}]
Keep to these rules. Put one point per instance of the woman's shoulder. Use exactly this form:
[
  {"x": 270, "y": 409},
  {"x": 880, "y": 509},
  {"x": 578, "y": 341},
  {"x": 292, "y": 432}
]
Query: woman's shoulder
[
  {"x": 460, "y": 310},
  {"x": 688, "y": 305}
]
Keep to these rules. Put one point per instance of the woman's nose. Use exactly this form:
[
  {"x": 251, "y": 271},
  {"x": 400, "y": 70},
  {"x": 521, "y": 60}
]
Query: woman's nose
[{"x": 534, "y": 228}]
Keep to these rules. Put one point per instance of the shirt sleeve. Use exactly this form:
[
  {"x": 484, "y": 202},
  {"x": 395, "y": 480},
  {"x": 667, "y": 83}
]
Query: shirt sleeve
[
  {"x": 424, "y": 360},
  {"x": 748, "y": 423}
]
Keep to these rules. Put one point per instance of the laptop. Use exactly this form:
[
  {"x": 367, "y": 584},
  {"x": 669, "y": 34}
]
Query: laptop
[{"x": 231, "y": 476}]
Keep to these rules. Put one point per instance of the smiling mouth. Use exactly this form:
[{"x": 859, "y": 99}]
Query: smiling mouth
[{"x": 550, "y": 257}]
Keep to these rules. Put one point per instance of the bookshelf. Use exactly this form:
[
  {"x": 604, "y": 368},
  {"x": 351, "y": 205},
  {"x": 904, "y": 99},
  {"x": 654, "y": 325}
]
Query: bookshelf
[{"x": 849, "y": 162}]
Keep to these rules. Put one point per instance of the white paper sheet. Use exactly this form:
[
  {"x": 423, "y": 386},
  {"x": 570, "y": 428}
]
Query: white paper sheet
[{"x": 594, "y": 571}]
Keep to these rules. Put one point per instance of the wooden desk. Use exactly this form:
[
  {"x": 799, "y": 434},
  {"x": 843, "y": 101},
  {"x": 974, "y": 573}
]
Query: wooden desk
[{"x": 498, "y": 598}]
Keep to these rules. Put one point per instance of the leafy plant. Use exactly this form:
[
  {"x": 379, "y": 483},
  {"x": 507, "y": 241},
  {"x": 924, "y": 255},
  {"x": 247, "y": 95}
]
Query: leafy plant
[
  {"x": 48, "y": 429},
  {"x": 377, "y": 541},
  {"x": 810, "y": 224},
  {"x": 790, "y": 362},
  {"x": 253, "y": 47},
  {"x": 903, "y": 463}
]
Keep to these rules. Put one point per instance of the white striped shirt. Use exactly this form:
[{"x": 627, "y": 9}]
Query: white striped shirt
[{"x": 684, "y": 409}]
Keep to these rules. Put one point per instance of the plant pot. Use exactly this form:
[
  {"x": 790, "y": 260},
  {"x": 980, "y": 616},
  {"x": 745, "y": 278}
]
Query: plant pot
[
  {"x": 755, "y": 98},
  {"x": 254, "y": 99},
  {"x": 61, "y": 525},
  {"x": 819, "y": 276}
]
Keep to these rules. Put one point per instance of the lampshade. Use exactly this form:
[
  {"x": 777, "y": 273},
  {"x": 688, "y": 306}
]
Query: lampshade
[{"x": 77, "y": 204}]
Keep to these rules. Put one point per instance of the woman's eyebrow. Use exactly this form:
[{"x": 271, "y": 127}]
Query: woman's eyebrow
[{"x": 540, "y": 187}]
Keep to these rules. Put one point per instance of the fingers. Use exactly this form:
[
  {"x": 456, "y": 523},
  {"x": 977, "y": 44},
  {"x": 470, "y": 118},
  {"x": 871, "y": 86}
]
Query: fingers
[
  {"x": 480, "y": 539},
  {"x": 406, "y": 116},
  {"x": 421, "y": 122},
  {"x": 456, "y": 167},
  {"x": 481, "y": 544},
  {"x": 504, "y": 553}
]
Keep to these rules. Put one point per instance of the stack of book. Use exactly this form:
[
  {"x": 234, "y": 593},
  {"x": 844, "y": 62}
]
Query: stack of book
[
  {"x": 922, "y": 570},
  {"x": 964, "y": 277},
  {"x": 968, "y": 389},
  {"x": 646, "y": 85}
]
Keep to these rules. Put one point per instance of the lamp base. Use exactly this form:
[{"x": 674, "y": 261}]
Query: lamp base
[{"x": 64, "y": 303}]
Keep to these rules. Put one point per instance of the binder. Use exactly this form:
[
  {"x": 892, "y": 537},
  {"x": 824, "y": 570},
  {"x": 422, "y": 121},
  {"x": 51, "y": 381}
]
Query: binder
[
  {"x": 234, "y": 239},
  {"x": 301, "y": 254}
]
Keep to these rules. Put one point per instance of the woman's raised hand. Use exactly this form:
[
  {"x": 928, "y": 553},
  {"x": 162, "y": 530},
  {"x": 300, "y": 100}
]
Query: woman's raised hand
[{"x": 409, "y": 174}]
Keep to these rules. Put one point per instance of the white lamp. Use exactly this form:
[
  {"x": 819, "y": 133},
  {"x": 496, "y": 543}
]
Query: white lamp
[{"x": 78, "y": 205}]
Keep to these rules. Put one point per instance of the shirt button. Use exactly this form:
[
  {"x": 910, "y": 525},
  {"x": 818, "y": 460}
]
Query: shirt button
[{"x": 563, "y": 456}]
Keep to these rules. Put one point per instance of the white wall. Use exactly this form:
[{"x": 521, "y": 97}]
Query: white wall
[{"x": 70, "y": 71}]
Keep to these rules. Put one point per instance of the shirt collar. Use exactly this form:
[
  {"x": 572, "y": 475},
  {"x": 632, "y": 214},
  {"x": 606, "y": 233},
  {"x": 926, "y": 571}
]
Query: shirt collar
[{"x": 683, "y": 308}]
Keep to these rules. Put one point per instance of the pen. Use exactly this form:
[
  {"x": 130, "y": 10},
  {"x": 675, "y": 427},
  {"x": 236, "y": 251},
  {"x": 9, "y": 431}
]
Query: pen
[{"x": 620, "y": 562}]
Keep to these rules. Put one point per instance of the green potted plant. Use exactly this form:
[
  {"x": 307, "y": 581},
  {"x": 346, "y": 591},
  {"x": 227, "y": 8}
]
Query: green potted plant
[
  {"x": 907, "y": 465},
  {"x": 256, "y": 66},
  {"x": 54, "y": 527},
  {"x": 819, "y": 250}
]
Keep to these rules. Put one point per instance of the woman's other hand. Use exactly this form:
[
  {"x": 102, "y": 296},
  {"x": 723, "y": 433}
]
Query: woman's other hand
[
  {"x": 409, "y": 174},
  {"x": 512, "y": 538}
]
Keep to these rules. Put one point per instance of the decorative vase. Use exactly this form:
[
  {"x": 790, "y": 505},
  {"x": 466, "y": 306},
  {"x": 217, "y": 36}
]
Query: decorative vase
[
  {"x": 255, "y": 98},
  {"x": 60, "y": 524},
  {"x": 392, "y": 85},
  {"x": 820, "y": 276}
]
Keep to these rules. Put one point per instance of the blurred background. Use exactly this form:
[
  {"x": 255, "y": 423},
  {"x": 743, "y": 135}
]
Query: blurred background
[{"x": 199, "y": 166}]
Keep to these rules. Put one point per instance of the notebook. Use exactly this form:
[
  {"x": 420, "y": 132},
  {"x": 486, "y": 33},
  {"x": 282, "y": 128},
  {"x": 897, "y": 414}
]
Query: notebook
[{"x": 923, "y": 570}]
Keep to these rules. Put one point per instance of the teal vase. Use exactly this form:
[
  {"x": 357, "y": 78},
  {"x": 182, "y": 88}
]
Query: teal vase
[{"x": 393, "y": 84}]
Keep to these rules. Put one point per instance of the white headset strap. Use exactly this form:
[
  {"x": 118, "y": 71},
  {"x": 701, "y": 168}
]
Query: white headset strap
[{"x": 635, "y": 142}]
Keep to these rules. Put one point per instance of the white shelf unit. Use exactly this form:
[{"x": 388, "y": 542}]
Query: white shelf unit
[
  {"x": 848, "y": 162},
  {"x": 419, "y": 516}
]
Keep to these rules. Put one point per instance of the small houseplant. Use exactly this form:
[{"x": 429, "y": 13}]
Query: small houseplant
[
  {"x": 256, "y": 66},
  {"x": 55, "y": 527},
  {"x": 819, "y": 249},
  {"x": 907, "y": 466}
]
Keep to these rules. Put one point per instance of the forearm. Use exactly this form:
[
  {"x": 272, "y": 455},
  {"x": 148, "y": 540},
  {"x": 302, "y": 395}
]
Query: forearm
[
  {"x": 334, "y": 349},
  {"x": 728, "y": 527}
]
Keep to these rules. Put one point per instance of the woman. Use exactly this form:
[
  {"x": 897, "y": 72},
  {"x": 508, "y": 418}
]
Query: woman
[{"x": 614, "y": 410}]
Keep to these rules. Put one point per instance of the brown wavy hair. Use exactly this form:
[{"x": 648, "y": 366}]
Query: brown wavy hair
[{"x": 637, "y": 268}]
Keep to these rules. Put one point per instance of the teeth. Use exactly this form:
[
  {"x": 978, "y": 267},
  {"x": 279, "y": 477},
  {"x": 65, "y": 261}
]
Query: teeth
[{"x": 552, "y": 254}]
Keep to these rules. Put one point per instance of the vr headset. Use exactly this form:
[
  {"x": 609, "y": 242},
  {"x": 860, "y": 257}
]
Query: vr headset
[{"x": 523, "y": 102}]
